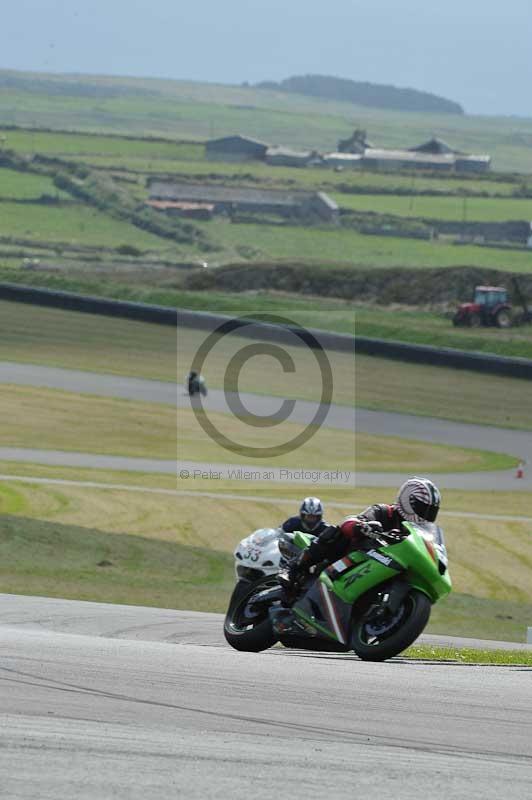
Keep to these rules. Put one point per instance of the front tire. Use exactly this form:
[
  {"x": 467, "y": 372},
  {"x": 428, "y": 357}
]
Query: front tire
[
  {"x": 458, "y": 320},
  {"x": 376, "y": 639},
  {"x": 245, "y": 629}
]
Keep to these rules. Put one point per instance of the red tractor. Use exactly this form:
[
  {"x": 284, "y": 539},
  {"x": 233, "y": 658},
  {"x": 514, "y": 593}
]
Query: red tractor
[{"x": 490, "y": 306}]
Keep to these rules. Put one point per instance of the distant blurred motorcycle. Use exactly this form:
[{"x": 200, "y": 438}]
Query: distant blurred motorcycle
[{"x": 196, "y": 384}]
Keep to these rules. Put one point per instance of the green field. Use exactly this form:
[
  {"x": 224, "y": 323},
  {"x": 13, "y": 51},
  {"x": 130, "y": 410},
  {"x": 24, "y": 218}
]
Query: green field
[
  {"x": 72, "y": 224},
  {"x": 26, "y": 186},
  {"x": 101, "y": 146},
  {"x": 190, "y": 163},
  {"x": 476, "y": 209},
  {"x": 76, "y": 224},
  {"x": 252, "y": 242}
]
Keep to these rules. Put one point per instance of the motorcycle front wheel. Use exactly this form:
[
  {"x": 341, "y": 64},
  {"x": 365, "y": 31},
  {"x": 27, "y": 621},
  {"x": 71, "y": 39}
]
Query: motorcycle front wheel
[
  {"x": 378, "y": 636},
  {"x": 246, "y": 627}
]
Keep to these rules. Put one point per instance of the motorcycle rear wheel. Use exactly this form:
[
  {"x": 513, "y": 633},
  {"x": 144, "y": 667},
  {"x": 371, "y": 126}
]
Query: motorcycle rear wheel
[
  {"x": 244, "y": 630},
  {"x": 374, "y": 641}
]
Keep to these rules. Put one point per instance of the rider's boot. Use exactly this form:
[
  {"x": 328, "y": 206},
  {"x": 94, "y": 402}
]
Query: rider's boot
[{"x": 285, "y": 622}]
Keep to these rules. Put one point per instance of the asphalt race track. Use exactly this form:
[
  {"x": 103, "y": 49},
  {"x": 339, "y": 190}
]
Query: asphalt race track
[
  {"x": 121, "y": 702},
  {"x": 501, "y": 440}
]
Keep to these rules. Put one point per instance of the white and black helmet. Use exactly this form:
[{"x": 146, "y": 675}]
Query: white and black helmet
[
  {"x": 311, "y": 512},
  {"x": 418, "y": 500}
]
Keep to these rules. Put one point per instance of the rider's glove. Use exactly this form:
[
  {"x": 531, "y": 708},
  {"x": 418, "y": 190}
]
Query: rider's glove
[
  {"x": 296, "y": 572},
  {"x": 371, "y": 529},
  {"x": 298, "y": 569}
]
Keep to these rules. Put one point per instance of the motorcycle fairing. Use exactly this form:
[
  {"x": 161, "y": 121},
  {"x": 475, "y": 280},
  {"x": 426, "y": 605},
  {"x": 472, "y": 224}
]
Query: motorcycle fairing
[{"x": 323, "y": 610}]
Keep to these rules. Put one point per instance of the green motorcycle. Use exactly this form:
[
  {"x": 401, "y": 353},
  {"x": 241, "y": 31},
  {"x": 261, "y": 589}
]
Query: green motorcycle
[{"x": 375, "y": 601}]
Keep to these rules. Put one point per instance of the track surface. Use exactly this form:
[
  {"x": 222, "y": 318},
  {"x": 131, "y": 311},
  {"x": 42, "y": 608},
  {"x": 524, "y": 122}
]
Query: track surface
[
  {"x": 121, "y": 702},
  {"x": 501, "y": 440}
]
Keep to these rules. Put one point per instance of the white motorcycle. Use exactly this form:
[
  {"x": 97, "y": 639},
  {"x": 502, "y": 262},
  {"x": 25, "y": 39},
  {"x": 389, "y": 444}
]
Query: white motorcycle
[{"x": 260, "y": 555}]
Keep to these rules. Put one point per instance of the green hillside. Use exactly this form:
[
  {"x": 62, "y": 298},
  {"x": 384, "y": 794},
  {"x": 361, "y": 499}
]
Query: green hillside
[
  {"x": 362, "y": 93},
  {"x": 182, "y": 109}
]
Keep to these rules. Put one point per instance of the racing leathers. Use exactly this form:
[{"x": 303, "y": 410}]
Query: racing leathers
[
  {"x": 293, "y": 524},
  {"x": 336, "y": 541}
]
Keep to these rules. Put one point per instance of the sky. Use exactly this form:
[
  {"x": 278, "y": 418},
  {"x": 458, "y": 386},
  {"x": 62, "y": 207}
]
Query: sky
[{"x": 475, "y": 52}]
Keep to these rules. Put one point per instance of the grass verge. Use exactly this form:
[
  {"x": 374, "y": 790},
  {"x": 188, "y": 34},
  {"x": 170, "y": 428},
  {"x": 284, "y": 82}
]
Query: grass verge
[
  {"x": 469, "y": 655},
  {"x": 465, "y": 613}
]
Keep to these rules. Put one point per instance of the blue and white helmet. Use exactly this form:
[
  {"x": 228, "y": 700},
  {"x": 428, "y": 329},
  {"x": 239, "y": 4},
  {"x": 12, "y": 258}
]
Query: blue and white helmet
[
  {"x": 418, "y": 500},
  {"x": 311, "y": 513}
]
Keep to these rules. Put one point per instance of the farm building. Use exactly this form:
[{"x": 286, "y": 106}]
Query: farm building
[
  {"x": 232, "y": 199},
  {"x": 284, "y": 157},
  {"x": 356, "y": 143},
  {"x": 462, "y": 161},
  {"x": 480, "y": 163},
  {"x": 401, "y": 159},
  {"x": 236, "y": 148},
  {"x": 348, "y": 160},
  {"x": 191, "y": 210},
  {"x": 435, "y": 146}
]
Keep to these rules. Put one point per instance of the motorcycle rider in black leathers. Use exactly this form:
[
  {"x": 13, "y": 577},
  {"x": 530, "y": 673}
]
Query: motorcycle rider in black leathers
[
  {"x": 310, "y": 519},
  {"x": 195, "y": 383}
]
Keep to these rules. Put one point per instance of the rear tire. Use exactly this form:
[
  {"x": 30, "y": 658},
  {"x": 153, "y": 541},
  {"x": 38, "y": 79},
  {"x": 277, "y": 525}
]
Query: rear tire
[
  {"x": 242, "y": 629},
  {"x": 503, "y": 318},
  {"x": 369, "y": 646}
]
